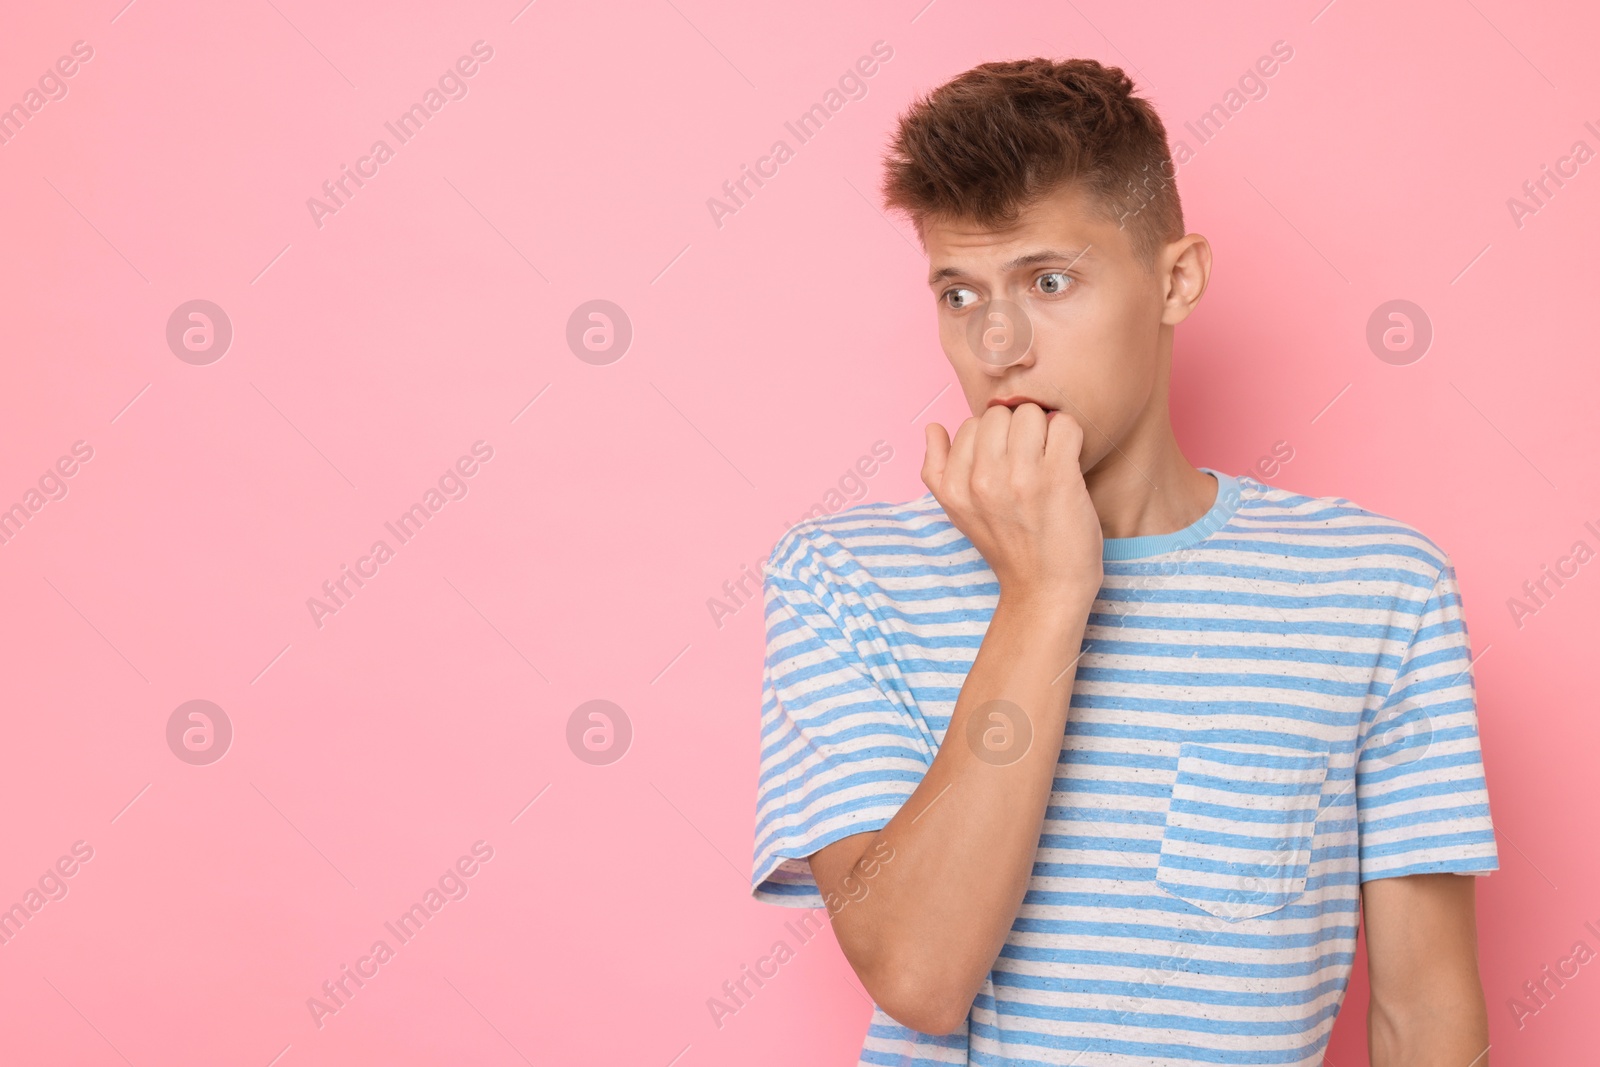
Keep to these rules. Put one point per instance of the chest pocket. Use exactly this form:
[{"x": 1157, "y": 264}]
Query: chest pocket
[{"x": 1237, "y": 842}]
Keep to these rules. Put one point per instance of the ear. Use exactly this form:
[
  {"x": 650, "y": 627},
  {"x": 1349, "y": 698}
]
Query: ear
[{"x": 1185, "y": 270}]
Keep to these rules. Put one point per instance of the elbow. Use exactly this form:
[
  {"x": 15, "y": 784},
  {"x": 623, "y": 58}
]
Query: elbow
[
  {"x": 930, "y": 1006},
  {"x": 918, "y": 985}
]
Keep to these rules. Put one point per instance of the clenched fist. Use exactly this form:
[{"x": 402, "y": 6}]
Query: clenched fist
[{"x": 1010, "y": 481}]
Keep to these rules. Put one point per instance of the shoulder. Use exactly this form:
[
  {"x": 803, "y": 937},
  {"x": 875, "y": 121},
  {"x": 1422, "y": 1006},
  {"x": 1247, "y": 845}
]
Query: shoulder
[
  {"x": 846, "y": 540},
  {"x": 1336, "y": 529}
]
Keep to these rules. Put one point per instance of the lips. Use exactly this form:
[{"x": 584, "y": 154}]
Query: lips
[{"x": 1013, "y": 402}]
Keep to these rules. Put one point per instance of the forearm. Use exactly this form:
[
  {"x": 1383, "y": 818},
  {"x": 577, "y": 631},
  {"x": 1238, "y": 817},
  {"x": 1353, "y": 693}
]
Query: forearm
[
  {"x": 1438, "y": 1027},
  {"x": 932, "y": 922}
]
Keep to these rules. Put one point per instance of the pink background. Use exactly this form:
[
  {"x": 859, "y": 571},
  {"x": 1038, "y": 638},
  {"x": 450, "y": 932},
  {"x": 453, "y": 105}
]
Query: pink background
[{"x": 767, "y": 356}]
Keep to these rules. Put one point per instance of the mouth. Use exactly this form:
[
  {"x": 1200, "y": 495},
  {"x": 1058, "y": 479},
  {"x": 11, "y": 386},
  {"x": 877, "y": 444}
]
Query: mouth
[{"x": 1014, "y": 402}]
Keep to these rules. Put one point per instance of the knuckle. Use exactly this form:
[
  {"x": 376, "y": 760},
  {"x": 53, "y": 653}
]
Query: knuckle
[{"x": 1069, "y": 428}]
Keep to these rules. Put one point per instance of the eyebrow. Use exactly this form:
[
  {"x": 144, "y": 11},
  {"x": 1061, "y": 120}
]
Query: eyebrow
[{"x": 1072, "y": 255}]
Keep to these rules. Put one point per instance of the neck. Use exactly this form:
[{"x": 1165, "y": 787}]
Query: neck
[{"x": 1143, "y": 485}]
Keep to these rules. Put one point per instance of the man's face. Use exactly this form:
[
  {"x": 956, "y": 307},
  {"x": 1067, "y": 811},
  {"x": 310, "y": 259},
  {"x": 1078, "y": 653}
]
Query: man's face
[{"x": 1068, "y": 278}]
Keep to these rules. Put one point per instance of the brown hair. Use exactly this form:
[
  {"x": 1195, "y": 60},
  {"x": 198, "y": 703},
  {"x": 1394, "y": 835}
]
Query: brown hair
[{"x": 992, "y": 141}]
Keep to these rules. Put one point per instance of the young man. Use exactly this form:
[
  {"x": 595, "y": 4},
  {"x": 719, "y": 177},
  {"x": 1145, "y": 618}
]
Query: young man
[{"x": 1094, "y": 757}]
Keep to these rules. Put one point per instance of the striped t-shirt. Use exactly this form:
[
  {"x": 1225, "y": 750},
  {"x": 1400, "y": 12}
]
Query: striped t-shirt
[{"x": 1273, "y": 705}]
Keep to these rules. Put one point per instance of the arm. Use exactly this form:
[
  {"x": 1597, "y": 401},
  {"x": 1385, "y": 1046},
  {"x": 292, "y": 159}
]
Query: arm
[
  {"x": 1427, "y": 1007},
  {"x": 923, "y": 931}
]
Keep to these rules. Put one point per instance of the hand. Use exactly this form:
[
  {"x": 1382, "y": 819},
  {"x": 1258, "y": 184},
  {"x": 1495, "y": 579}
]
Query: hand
[{"x": 1012, "y": 484}]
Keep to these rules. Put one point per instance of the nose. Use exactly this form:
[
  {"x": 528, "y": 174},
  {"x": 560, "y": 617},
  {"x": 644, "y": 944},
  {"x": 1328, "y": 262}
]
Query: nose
[{"x": 1001, "y": 337}]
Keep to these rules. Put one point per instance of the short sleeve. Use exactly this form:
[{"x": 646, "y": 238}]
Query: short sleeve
[
  {"x": 1422, "y": 804},
  {"x": 840, "y": 754}
]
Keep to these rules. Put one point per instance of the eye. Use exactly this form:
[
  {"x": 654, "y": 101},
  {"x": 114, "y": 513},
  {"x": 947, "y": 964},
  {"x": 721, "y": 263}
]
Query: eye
[
  {"x": 952, "y": 298},
  {"x": 1054, "y": 283}
]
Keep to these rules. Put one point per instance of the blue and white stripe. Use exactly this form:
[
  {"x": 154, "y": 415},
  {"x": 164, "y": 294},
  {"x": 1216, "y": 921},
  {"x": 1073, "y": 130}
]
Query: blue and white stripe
[{"x": 1273, "y": 705}]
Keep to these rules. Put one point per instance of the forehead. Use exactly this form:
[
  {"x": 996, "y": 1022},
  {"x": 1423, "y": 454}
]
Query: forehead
[{"x": 1063, "y": 222}]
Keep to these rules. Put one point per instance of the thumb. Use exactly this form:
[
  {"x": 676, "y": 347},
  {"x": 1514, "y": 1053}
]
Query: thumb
[{"x": 933, "y": 464}]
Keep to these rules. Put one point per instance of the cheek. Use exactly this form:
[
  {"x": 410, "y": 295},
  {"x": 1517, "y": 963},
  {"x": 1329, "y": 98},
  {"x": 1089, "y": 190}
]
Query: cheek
[
  {"x": 1131, "y": 330},
  {"x": 951, "y": 340},
  {"x": 970, "y": 371},
  {"x": 1083, "y": 345},
  {"x": 1104, "y": 358}
]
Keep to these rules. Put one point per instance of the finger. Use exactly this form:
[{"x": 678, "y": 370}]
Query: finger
[
  {"x": 1026, "y": 440},
  {"x": 938, "y": 455},
  {"x": 958, "y": 466},
  {"x": 1063, "y": 439},
  {"x": 994, "y": 428}
]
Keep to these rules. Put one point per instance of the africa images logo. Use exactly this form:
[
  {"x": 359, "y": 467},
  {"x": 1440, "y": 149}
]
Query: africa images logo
[{"x": 451, "y": 85}]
